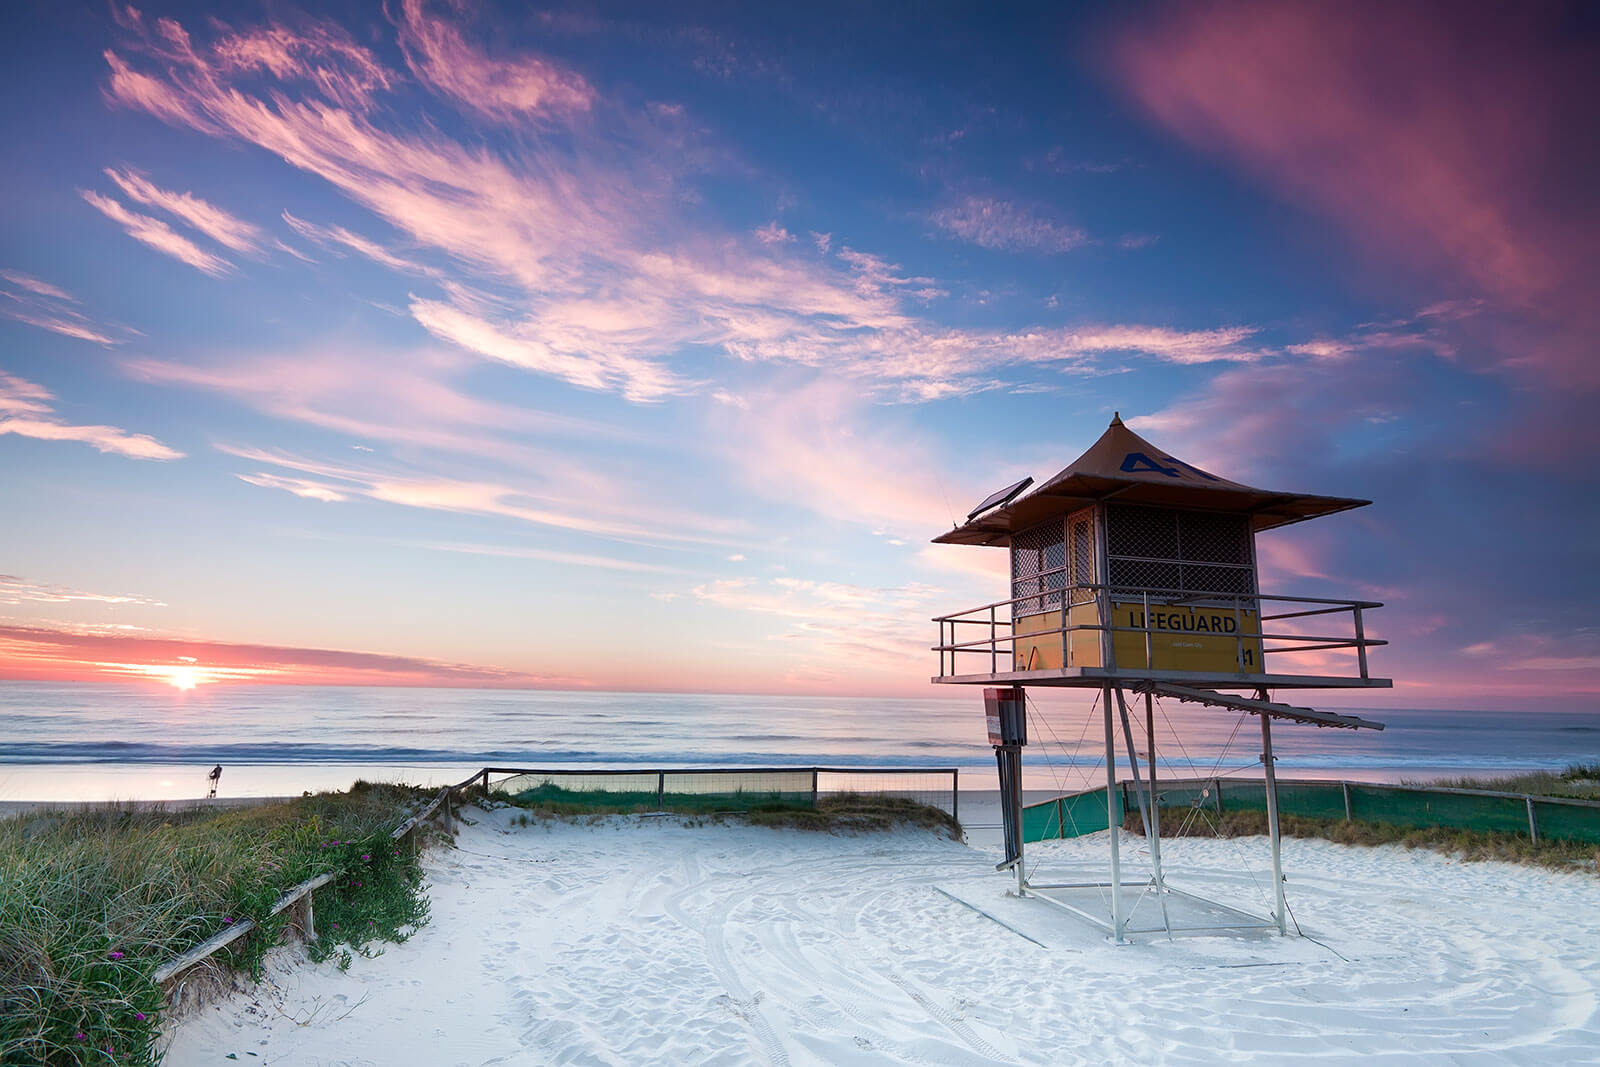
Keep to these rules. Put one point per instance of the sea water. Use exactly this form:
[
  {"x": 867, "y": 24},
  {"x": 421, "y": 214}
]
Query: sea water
[{"x": 62, "y": 741}]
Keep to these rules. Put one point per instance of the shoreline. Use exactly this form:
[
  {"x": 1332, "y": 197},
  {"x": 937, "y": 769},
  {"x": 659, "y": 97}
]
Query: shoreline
[{"x": 24, "y": 785}]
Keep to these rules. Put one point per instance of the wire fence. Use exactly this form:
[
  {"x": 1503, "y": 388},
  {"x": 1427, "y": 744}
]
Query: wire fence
[
  {"x": 1415, "y": 807},
  {"x": 725, "y": 788}
]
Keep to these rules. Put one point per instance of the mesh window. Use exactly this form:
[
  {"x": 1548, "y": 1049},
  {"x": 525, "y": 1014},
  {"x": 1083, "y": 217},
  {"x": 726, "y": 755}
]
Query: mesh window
[
  {"x": 1038, "y": 569},
  {"x": 1146, "y": 574},
  {"x": 1148, "y": 532},
  {"x": 1082, "y": 559},
  {"x": 1179, "y": 551},
  {"x": 1207, "y": 538}
]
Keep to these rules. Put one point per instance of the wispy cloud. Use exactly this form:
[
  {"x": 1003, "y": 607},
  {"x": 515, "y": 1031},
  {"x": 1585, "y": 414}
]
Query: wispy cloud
[
  {"x": 38, "y": 303},
  {"x": 18, "y": 590},
  {"x": 215, "y": 223},
  {"x": 92, "y": 654},
  {"x": 556, "y": 498},
  {"x": 508, "y": 90},
  {"x": 1002, "y": 224},
  {"x": 158, "y": 235},
  {"x": 605, "y": 284},
  {"x": 338, "y": 235},
  {"x": 37, "y": 287},
  {"x": 28, "y": 410}
]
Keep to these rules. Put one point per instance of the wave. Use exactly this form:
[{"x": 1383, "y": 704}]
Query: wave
[{"x": 138, "y": 752}]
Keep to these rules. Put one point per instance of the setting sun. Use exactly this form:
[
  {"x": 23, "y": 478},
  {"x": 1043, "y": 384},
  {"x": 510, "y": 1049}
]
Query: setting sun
[{"x": 183, "y": 677}]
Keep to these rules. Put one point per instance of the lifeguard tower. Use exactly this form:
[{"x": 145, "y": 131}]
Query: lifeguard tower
[{"x": 1132, "y": 570}]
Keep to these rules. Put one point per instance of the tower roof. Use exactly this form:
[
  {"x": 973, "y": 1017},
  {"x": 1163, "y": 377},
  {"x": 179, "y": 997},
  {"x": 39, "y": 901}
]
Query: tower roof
[{"x": 1125, "y": 467}]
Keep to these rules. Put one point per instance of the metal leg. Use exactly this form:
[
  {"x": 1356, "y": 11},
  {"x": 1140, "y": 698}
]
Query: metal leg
[
  {"x": 1146, "y": 801},
  {"x": 1279, "y": 907},
  {"x": 1155, "y": 810},
  {"x": 1113, "y": 820}
]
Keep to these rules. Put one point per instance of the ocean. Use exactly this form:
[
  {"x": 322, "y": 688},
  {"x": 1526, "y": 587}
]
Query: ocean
[{"x": 63, "y": 741}]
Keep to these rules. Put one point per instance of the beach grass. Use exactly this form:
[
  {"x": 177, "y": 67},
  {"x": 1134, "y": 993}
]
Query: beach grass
[
  {"x": 832, "y": 812},
  {"x": 1463, "y": 844},
  {"x": 93, "y": 900},
  {"x": 1579, "y": 781}
]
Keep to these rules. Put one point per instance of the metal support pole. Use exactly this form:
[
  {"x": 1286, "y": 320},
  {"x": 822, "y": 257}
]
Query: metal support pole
[
  {"x": 1155, "y": 804},
  {"x": 955, "y": 793},
  {"x": 1280, "y": 908},
  {"x": 1533, "y": 824},
  {"x": 1149, "y": 643},
  {"x": 1113, "y": 820},
  {"x": 1147, "y": 802},
  {"x": 994, "y": 647}
]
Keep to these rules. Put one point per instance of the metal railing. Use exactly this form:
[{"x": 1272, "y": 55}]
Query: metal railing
[{"x": 999, "y": 647}]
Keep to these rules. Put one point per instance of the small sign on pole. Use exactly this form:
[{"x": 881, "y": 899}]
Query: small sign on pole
[{"x": 1007, "y": 715}]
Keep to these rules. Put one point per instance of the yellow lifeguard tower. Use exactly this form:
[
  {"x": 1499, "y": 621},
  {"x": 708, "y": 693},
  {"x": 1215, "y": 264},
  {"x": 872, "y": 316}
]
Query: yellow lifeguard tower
[{"x": 1133, "y": 570}]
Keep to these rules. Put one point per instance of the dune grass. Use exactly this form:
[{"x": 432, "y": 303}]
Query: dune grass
[
  {"x": 1579, "y": 781},
  {"x": 834, "y": 811},
  {"x": 1463, "y": 844},
  {"x": 94, "y": 900}
]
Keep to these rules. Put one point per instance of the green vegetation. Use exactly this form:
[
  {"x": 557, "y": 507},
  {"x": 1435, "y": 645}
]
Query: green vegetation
[
  {"x": 94, "y": 900},
  {"x": 840, "y": 811},
  {"x": 1465, "y": 844},
  {"x": 1580, "y": 781}
]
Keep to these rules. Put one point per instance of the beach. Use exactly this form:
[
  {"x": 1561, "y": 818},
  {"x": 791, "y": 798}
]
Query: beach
[{"x": 628, "y": 939}]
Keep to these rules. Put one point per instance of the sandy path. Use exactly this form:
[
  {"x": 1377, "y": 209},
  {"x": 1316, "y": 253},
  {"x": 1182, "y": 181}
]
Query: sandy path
[{"x": 648, "y": 941}]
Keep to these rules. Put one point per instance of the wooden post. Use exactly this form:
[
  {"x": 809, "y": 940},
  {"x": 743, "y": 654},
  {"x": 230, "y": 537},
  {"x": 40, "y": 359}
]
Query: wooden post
[
  {"x": 955, "y": 793},
  {"x": 661, "y": 790},
  {"x": 813, "y": 789},
  {"x": 1533, "y": 823},
  {"x": 1344, "y": 787}
]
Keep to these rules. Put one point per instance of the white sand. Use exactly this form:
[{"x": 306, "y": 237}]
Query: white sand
[{"x": 647, "y": 941}]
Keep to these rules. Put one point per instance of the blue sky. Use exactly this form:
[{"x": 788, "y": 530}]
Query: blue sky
[{"x": 647, "y": 347}]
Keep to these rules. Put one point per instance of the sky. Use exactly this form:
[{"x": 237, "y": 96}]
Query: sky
[{"x": 647, "y": 347}]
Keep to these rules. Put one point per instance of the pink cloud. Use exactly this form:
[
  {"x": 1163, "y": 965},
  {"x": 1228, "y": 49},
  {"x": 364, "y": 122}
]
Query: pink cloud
[
  {"x": 502, "y": 89},
  {"x": 338, "y": 235},
  {"x": 158, "y": 235},
  {"x": 27, "y": 410},
  {"x": 38, "y": 303},
  {"x": 1439, "y": 142},
  {"x": 206, "y": 217},
  {"x": 91, "y": 654},
  {"x": 37, "y": 287}
]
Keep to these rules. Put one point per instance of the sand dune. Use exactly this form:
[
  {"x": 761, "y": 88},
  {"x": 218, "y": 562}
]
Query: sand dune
[{"x": 645, "y": 940}]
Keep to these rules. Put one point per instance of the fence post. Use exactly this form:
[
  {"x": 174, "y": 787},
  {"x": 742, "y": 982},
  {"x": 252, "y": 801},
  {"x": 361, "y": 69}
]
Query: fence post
[
  {"x": 1216, "y": 787},
  {"x": 813, "y": 789},
  {"x": 1344, "y": 787},
  {"x": 1533, "y": 823},
  {"x": 661, "y": 790},
  {"x": 955, "y": 793}
]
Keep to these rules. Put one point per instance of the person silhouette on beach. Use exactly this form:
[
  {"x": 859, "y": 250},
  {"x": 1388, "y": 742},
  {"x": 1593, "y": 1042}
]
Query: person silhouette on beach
[{"x": 215, "y": 776}]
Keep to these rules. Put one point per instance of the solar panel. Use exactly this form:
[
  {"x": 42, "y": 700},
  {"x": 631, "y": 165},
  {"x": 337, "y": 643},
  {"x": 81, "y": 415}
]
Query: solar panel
[{"x": 1004, "y": 496}]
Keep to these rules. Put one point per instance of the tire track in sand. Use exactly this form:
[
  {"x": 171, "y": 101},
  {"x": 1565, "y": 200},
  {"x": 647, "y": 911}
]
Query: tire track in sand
[{"x": 747, "y": 1007}]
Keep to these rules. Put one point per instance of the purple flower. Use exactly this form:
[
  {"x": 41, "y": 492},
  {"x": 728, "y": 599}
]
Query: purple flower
[
  {"x": 227, "y": 919},
  {"x": 115, "y": 955},
  {"x": 336, "y": 926},
  {"x": 81, "y": 1036},
  {"x": 140, "y": 1016},
  {"x": 336, "y": 842},
  {"x": 366, "y": 855}
]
